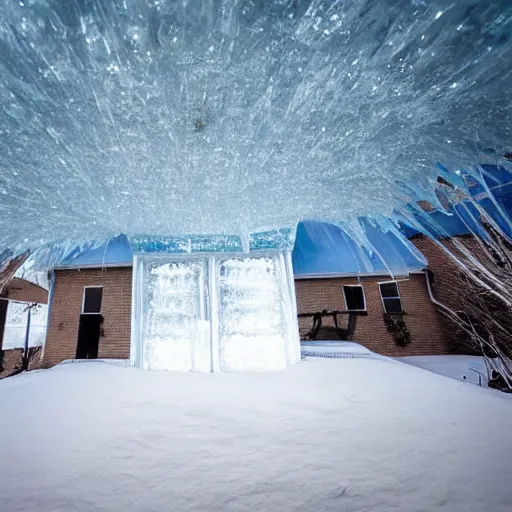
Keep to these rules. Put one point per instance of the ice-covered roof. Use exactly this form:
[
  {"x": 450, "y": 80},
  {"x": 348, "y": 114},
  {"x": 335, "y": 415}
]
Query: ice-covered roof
[
  {"x": 118, "y": 251},
  {"x": 326, "y": 250},
  {"x": 490, "y": 193},
  {"x": 114, "y": 252}
]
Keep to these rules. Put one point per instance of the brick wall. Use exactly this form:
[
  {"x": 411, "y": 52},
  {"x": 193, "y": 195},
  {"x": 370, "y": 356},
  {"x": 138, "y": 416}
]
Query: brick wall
[
  {"x": 11, "y": 360},
  {"x": 426, "y": 325},
  {"x": 445, "y": 282},
  {"x": 66, "y": 307},
  {"x": 447, "y": 286}
]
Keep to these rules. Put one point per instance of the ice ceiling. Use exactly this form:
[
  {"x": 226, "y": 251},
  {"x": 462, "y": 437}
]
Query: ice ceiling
[{"x": 225, "y": 116}]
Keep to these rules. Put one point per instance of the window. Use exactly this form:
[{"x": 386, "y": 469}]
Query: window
[
  {"x": 92, "y": 299},
  {"x": 390, "y": 297},
  {"x": 354, "y": 297}
]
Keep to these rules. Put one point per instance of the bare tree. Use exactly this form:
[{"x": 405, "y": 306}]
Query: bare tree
[{"x": 482, "y": 284}]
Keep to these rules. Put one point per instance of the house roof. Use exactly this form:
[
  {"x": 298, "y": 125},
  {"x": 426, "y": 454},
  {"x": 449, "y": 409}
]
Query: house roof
[
  {"x": 323, "y": 250},
  {"x": 492, "y": 192},
  {"x": 115, "y": 252},
  {"x": 21, "y": 290}
]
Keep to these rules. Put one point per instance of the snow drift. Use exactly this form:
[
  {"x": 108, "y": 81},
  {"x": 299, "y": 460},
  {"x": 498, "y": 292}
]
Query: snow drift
[{"x": 328, "y": 435}]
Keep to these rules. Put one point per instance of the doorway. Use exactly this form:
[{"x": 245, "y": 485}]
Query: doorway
[
  {"x": 89, "y": 336},
  {"x": 90, "y": 325}
]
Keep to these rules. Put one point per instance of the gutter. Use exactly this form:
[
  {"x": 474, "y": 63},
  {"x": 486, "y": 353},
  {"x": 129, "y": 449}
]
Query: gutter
[
  {"x": 347, "y": 274},
  {"x": 431, "y": 295},
  {"x": 51, "y": 293}
]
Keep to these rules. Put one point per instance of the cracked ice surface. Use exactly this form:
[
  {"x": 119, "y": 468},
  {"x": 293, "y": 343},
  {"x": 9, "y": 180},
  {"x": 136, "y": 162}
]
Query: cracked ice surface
[{"x": 226, "y": 116}]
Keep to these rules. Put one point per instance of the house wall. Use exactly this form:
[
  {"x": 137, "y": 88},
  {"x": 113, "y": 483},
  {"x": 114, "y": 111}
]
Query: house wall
[
  {"x": 445, "y": 279},
  {"x": 426, "y": 325},
  {"x": 22, "y": 291},
  {"x": 11, "y": 360},
  {"x": 66, "y": 308}
]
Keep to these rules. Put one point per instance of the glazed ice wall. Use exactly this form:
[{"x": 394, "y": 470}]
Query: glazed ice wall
[
  {"x": 204, "y": 313},
  {"x": 226, "y": 116}
]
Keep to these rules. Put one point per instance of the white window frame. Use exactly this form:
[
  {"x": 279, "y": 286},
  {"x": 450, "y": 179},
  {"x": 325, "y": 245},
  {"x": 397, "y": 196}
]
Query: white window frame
[
  {"x": 83, "y": 299},
  {"x": 397, "y": 297},
  {"x": 345, "y": 297}
]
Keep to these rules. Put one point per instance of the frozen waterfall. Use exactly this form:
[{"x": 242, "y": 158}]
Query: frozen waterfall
[{"x": 154, "y": 117}]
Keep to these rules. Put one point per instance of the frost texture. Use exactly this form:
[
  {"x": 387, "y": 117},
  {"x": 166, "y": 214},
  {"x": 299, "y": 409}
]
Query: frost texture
[
  {"x": 205, "y": 314},
  {"x": 176, "y": 334},
  {"x": 252, "y": 314},
  {"x": 226, "y": 116}
]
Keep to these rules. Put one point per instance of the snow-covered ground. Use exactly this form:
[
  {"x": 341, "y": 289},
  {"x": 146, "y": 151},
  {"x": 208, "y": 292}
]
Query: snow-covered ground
[
  {"x": 340, "y": 435},
  {"x": 464, "y": 368}
]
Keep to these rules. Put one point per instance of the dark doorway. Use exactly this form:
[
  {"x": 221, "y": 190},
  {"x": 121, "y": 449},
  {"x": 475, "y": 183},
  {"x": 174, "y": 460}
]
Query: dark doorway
[
  {"x": 89, "y": 336},
  {"x": 3, "y": 315}
]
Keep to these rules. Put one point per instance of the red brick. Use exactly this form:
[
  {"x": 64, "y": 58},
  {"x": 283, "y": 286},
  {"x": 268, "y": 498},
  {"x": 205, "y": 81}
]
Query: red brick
[
  {"x": 66, "y": 308},
  {"x": 425, "y": 323}
]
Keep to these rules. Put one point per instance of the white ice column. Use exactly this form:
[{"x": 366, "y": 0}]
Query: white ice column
[
  {"x": 254, "y": 313},
  {"x": 174, "y": 330}
]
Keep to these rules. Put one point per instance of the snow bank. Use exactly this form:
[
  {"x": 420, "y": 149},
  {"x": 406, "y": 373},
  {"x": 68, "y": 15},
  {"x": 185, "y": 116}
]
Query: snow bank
[
  {"x": 335, "y": 349},
  {"x": 326, "y": 435},
  {"x": 464, "y": 368}
]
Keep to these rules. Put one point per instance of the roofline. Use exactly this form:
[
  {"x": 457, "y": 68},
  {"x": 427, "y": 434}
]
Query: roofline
[
  {"x": 333, "y": 275},
  {"x": 355, "y": 274},
  {"x": 26, "y": 281},
  {"x": 92, "y": 266}
]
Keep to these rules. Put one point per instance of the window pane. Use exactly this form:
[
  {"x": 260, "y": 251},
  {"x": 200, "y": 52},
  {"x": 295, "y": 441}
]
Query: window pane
[
  {"x": 388, "y": 290},
  {"x": 393, "y": 305},
  {"x": 92, "y": 301},
  {"x": 354, "y": 297}
]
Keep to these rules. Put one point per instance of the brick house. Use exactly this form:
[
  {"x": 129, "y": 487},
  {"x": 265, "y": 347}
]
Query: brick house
[
  {"x": 93, "y": 285},
  {"x": 475, "y": 222},
  {"x": 452, "y": 291},
  {"x": 330, "y": 275},
  {"x": 98, "y": 284},
  {"x": 92, "y": 308},
  {"x": 425, "y": 323}
]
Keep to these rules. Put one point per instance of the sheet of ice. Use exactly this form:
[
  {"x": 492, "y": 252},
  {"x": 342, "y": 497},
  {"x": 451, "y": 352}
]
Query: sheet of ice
[
  {"x": 30, "y": 271},
  {"x": 201, "y": 313},
  {"x": 329, "y": 435},
  {"x": 174, "y": 331},
  {"x": 38, "y": 325},
  {"x": 15, "y": 325},
  {"x": 163, "y": 117},
  {"x": 335, "y": 349},
  {"x": 252, "y": 315}
]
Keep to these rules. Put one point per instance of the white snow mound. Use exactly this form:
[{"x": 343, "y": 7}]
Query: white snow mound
[
  {"x": 470, "y": 369},
  {"x": 341, "y": 435}
]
